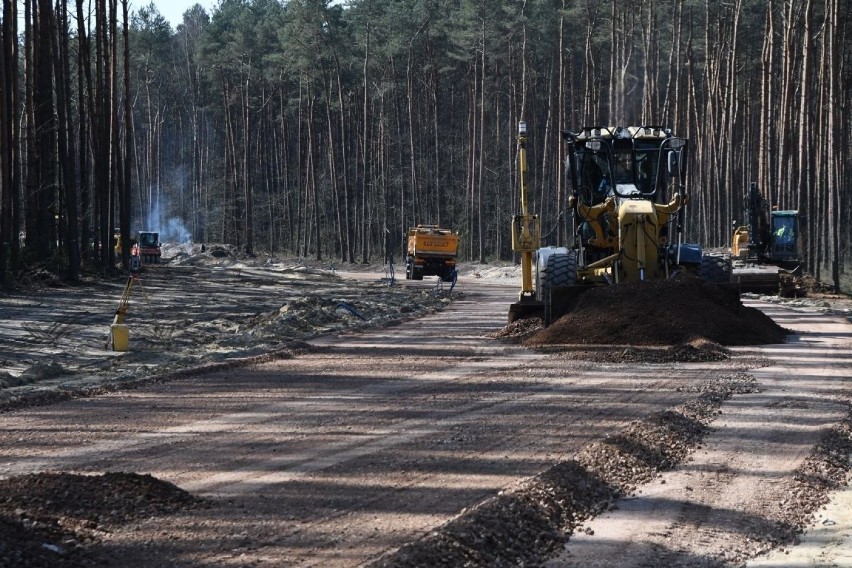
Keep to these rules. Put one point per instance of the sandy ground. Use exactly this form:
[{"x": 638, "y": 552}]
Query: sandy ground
[
  {"x": 730, "y": 485},
  {"x": 370, "y": 432},
  {"x": 198, "y": 309}
]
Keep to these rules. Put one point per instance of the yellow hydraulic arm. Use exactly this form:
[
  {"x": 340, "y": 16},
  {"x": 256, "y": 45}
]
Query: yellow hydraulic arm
[{"x": 526, "y": 238}]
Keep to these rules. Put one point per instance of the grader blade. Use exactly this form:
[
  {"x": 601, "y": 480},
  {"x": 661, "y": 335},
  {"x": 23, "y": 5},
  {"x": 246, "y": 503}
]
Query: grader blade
[{"x": 525, "y": 308}]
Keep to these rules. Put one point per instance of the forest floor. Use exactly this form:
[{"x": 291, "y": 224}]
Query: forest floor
[{"x": 664, "y": 423}]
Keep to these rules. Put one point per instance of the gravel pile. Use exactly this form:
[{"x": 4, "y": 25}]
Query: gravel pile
[
  {"x": 524, "y": 526},
  {"x": 57, "y": 519},
  {"x": 697, "y": 351},
  {"x": 661, "y": 321}
]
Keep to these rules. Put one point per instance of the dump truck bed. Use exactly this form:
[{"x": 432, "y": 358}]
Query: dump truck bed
[
  {"x": 432, "y": 241},
  {"x": 431, "y": 250}
]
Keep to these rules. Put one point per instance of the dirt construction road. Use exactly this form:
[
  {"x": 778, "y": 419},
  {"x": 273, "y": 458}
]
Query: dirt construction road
[{"x": 369, "y": 441}]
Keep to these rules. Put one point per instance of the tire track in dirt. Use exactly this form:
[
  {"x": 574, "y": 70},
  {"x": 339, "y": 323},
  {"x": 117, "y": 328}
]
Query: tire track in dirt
[{"x": 727, "y": 504}]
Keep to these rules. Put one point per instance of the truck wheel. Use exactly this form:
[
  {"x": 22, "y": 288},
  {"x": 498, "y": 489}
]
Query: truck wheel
[
  {"x": 417, "y": 273},
  {"x": 561, "y": 270},
  {"x": 715, "y": 268}
]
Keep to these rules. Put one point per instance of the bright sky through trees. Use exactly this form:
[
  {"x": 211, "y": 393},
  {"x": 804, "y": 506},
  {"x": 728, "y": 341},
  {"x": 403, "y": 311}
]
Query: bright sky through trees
[{"x": 172, "y": 10}]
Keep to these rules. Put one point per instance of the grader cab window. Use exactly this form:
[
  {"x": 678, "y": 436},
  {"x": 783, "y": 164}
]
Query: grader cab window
[
  {"x": 628, "y": 167},
  {"x": 594, "y": 176},
  {"x": 623, "y": 167},
  {"x": 646, "y": 171}
]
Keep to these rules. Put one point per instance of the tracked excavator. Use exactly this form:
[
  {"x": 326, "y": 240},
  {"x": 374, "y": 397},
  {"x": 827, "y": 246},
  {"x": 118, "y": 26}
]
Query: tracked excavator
[
  {"x": 628, "y": 198},
  {"x": 766, "y": 251}
]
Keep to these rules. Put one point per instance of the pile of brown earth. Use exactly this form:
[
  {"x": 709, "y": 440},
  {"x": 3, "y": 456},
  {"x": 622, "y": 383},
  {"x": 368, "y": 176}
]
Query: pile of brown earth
[
  {"x": 660, "y": 312},
  {"x": 58, "y": 519}
]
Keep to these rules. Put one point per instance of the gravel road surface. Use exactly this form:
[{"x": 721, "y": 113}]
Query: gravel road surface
[
  {"x": 360, "y": 443},
  {"x": 726, "y": 503}
]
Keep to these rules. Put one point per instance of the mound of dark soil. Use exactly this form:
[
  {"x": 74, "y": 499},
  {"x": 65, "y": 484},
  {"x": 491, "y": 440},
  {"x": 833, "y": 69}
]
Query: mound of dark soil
[
  {"x": 660, "y": 312},
  {"x": 52, "y": 519}
]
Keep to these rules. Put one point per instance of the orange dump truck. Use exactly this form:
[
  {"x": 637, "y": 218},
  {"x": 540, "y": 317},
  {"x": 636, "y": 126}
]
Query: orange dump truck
[{"x": 431, "y": 251}]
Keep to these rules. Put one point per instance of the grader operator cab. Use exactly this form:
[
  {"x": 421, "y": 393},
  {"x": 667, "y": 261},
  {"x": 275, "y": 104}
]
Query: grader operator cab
[{"x": 628, "y": 196}]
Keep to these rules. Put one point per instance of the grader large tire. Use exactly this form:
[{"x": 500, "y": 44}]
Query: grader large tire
[
  {"x": 715, "y": 268},
  {"x": 561, "y": 271}
]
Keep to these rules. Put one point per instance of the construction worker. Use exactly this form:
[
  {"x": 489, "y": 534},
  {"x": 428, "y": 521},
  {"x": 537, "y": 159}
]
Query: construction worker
[{"x": 783, "y": 234}]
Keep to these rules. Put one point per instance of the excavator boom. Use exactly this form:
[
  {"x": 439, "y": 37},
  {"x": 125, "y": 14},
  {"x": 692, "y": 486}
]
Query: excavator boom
[{"x": 526, "y": 240}]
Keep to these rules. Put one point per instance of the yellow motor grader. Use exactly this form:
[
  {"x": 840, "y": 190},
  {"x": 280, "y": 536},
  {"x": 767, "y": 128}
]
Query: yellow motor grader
[{"x": 628, "y": 198}]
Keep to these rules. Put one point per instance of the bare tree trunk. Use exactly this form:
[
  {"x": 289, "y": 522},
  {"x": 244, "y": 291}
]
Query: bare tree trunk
[
  {"x": 348, "y": 251},
  {"x": 561, "y": 236},
  {"x": 433, "y": 92},
  {"x": 248, "y": 192},
  {"x": 804, "y": 183},
  {"x": 412, "y": 156},
  {"x": 101, "y": 133},
  {"x": 128, "y": 121},
  {"x": 234, "y": 219},
  {"x": 86, "y": 117},
  {"x": 43, "y": 234},
  {"x": 365, "y": 181},
  {"x": 767, "y": 119},
  {"x": 833, "y": 165},
  {"x": 480, "y": 182},
  {"x": 470, "y": 184},
  {"x": 65, "y": 147},
  {"x": 9, "y": 149},
  {"x": 121, "y": 193},
  {"x": 784, "y": 171},
  {"x": 333, "y": 174}
]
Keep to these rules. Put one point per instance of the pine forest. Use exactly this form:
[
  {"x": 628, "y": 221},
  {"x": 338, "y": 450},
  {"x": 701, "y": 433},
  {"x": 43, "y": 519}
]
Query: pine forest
[{"x": 317, "y": 130}]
